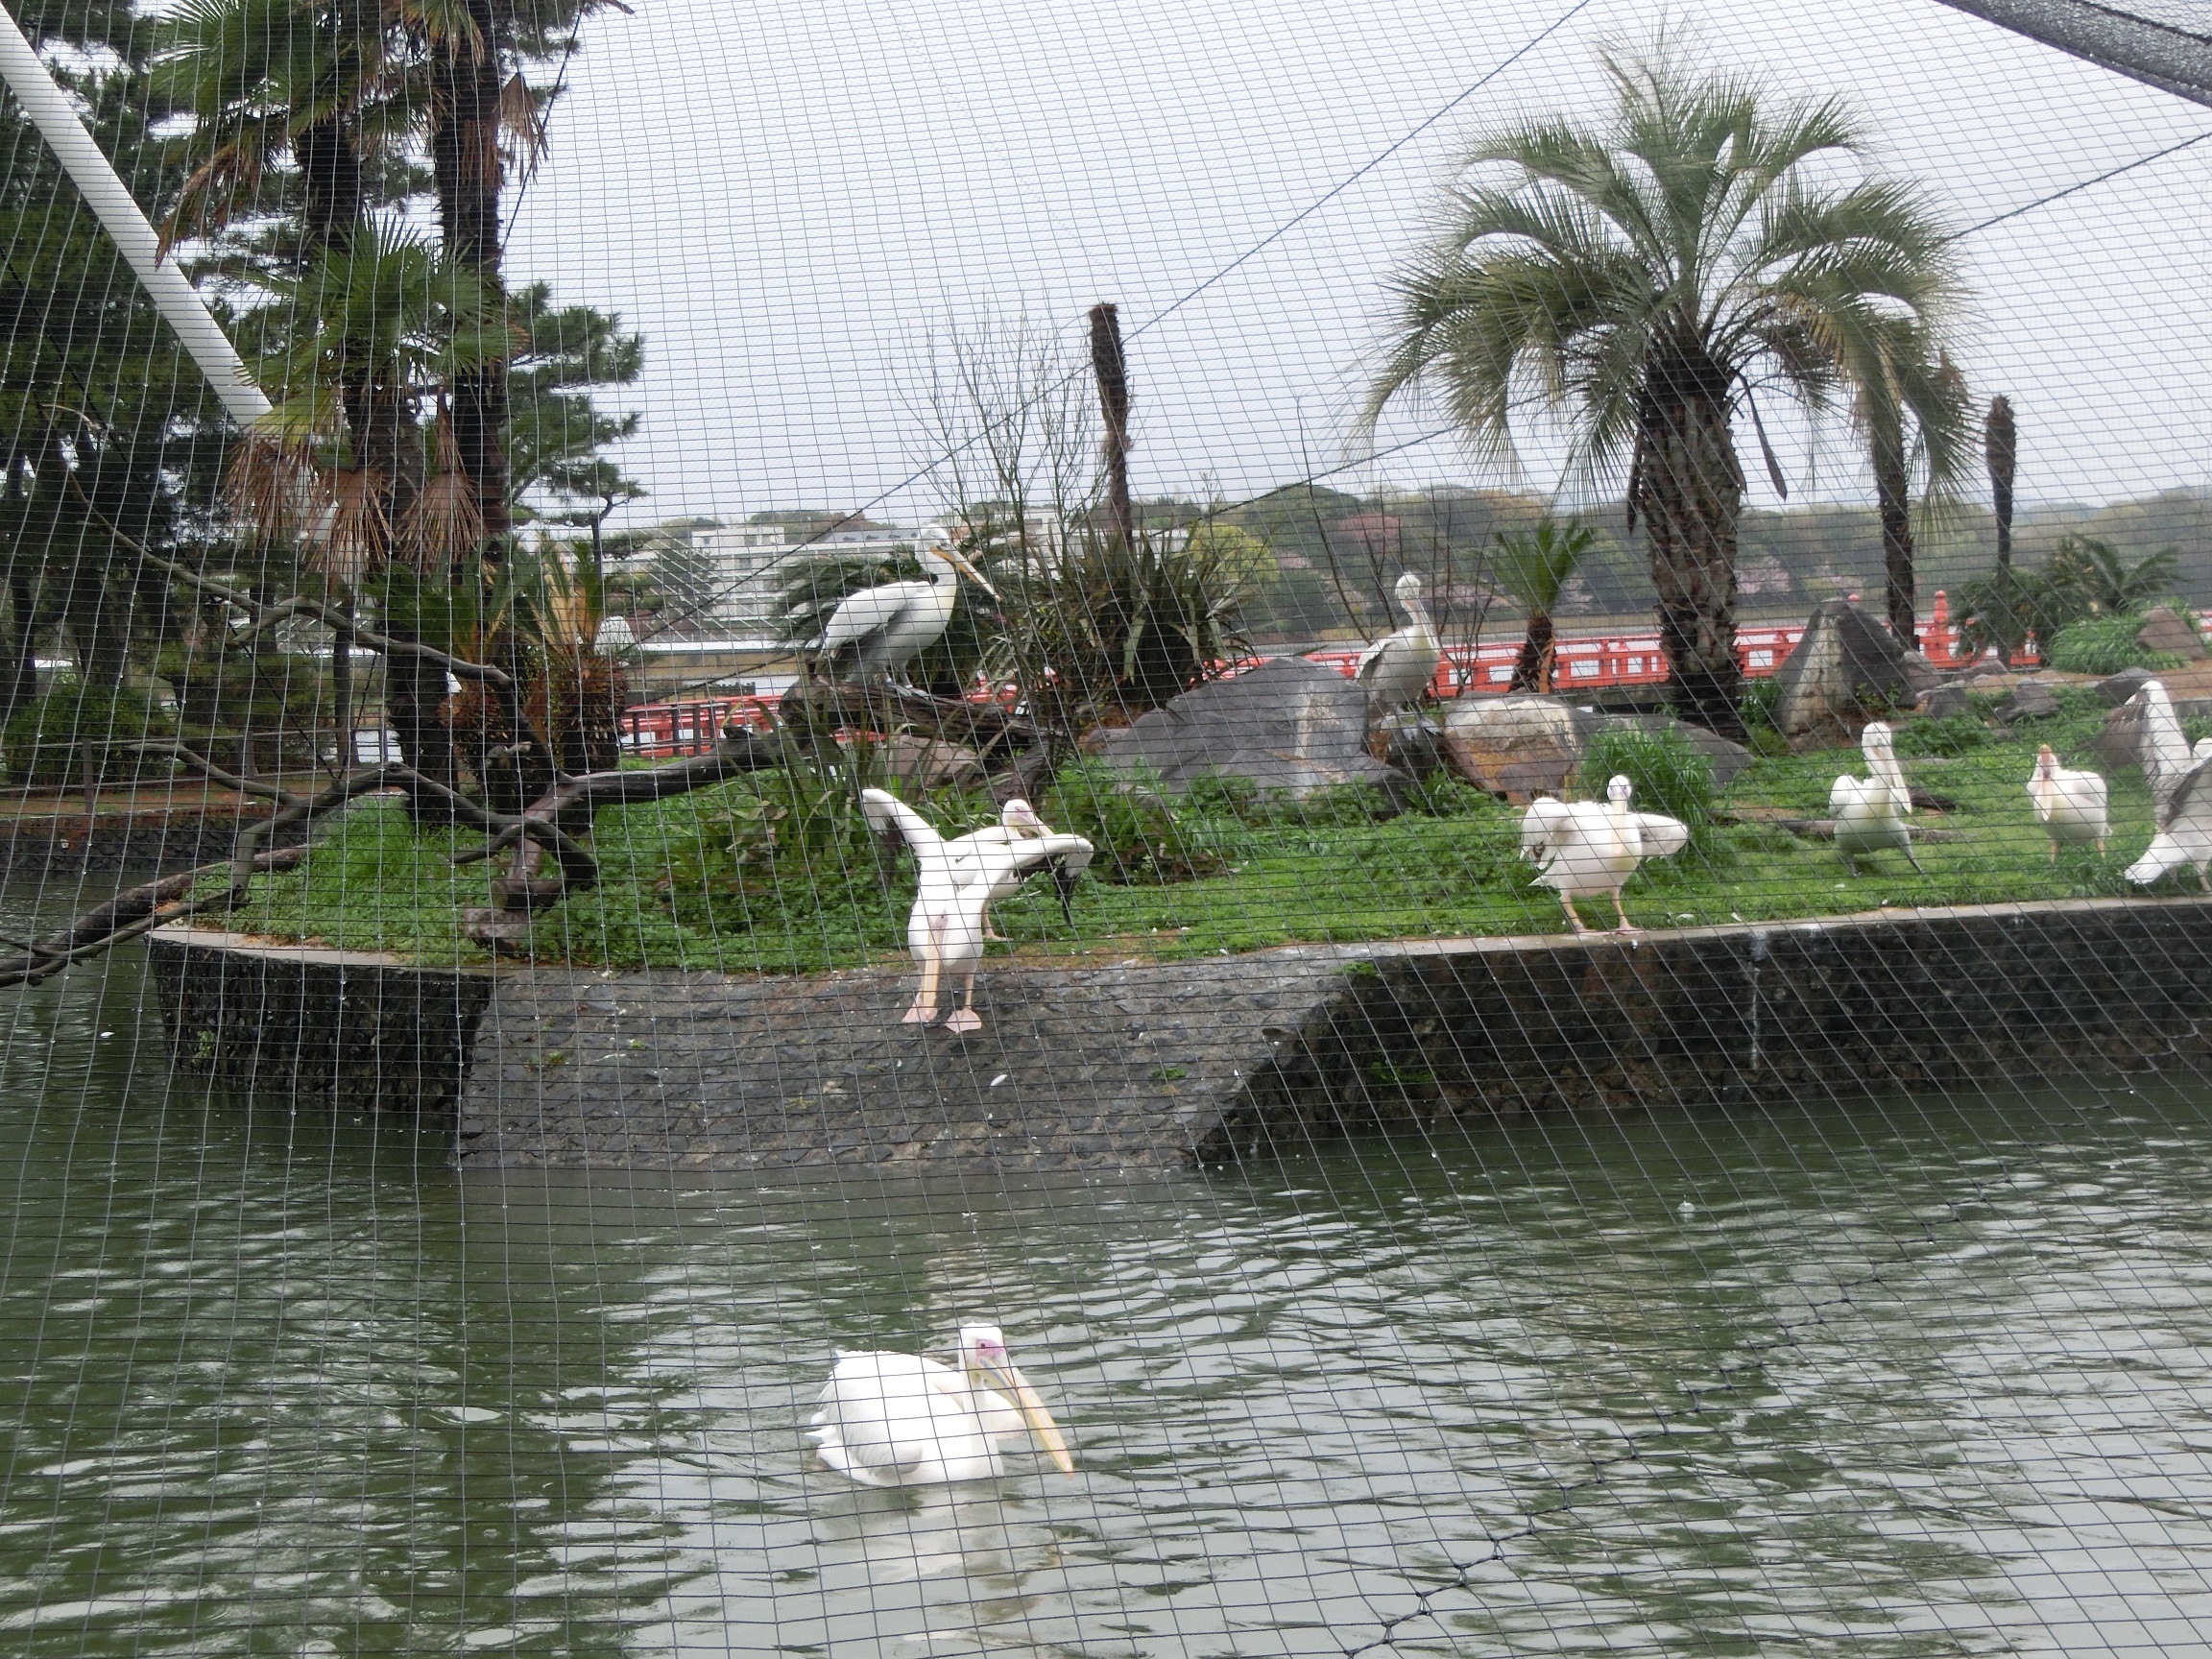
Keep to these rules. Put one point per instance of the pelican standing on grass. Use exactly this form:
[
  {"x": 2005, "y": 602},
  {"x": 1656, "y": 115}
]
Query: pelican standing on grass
[
  {"x": 959, "y": 879},
  {"x": 1870, "y": 812},
  {"x": 2164, "y": 747},
  {"x": 2184, "y": 827},
  {"x": 1397, "y": 668},
  {"x": 885, "y": 628},
  {"x": 2069, "y": 805},
  {"x": 1587, "y": 847},
  {"x": 904, "y": 1420}
]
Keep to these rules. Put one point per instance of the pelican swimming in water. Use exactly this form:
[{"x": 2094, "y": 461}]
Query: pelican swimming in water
[
  {"x": 1870, "y": 812},
  {"x": 1587, "y": 847},
  {"x": 885, "y": 628},
  {"x": 1398, "y": 667},
  {"x": 2070, "y": 805},
  {"x": 959, "y": 879},
  {"x": 904, "y": 1420}
]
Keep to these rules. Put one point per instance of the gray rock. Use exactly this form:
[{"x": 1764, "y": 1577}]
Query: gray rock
[
  {"x": 1946, "y": 703},
  {"x": 1521, "y": 747},
  {"x": 2122, "y": 685},
  {"x": 1288, "y": 724},
  {"x": 1922, "y": 675},
  {"x": 1846, "y": 664},
  {"x": 1728, "y": 759},
  {"x": 2031, "y": 699},
  {"x": 1518, "y": 747},
  {"x": 2165, "y": 631}
]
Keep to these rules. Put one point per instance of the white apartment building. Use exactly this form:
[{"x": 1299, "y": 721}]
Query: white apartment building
[{"x": 752, "y": 563}]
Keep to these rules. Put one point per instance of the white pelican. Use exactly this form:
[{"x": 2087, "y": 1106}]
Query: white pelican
[
  {"x": 1870, "y": 812},
  {"x": 2184, "y": 832},
  {"x": 959, "y": 879},
  {"x": 1018, "y": 821},
  {"x": 1583, "y": 847},
  {"x": 887, "y": 627},
  {"x": 1398, "y": 667},
  {"x": 2167, "y": 757},
  {"x": 2069, "y": 805},
  {"x": 903, "y": 1420}
]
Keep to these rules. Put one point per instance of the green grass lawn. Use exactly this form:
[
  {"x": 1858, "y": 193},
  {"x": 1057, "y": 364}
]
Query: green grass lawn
[{"x": 1324, "y": 875}]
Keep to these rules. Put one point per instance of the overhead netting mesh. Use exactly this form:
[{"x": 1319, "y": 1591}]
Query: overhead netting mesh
[{"x": 1163, "y": 831}]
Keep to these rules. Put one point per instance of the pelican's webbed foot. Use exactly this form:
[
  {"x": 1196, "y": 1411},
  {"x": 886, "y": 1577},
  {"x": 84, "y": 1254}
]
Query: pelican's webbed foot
[{"x": 964, "y": 1021}]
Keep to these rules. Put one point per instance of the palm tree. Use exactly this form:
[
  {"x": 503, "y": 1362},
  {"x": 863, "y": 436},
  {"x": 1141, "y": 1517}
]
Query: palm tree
[
  {"x": 1640, "y": 279},
  {"x": 1531, "y": 568},
  {"x": 1909, "y": 403}
]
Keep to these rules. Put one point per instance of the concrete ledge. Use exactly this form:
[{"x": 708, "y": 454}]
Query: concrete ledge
[
  {"x": 1153, "y": 1065},
  {"x": 363, "y": 1031}
]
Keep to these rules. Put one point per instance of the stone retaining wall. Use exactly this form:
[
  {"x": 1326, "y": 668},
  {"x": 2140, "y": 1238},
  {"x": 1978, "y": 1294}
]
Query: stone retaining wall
[{"x": 1144, "y": 1066}]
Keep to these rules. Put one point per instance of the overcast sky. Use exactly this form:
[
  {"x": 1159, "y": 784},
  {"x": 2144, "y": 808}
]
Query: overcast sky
[{"x": 790, "y": 200}]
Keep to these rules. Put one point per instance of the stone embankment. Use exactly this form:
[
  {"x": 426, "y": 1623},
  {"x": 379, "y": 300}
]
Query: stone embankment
[{"x": 1145, "y": 1066}]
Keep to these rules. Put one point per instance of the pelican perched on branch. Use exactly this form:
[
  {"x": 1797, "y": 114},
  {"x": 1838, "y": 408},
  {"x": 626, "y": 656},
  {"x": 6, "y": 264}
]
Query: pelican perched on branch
[
  {"x": 1587, "y": 847},
  {"x": 959, "y": 879},
  {"x": 904, "y": 1420},
  {"x": 1398, "y": 667},
  {"x": 885, "y": 628},
  {"x": 2071, "y": 806},
  {"x": 1870, "y": 812}
]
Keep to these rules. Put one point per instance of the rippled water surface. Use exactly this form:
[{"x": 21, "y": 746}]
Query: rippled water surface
[{"x": 1914, "y": 1377}]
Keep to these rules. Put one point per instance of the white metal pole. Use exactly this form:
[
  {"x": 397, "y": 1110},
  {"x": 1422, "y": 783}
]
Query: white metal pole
[{"x": 127, "y": 226}]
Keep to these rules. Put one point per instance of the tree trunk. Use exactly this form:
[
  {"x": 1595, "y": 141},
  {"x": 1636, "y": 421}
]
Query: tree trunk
[
  {"x": 341, "y": 696},
  {"x": 1539, "y": 651},
  {"x": 1111, "y": 370},
  {"x": 2000, "y": 448},
  {"x": 1688, "y": 488},
  {"x": 466, "y": 168},
  {"x": 1894, "y": 507},
  {"x": 416, "y": 698},
  {"x": 19, "y": 668}
]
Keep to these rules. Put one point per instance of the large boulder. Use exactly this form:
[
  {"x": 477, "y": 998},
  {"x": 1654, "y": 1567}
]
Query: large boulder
[
  {"x": 2164, "y": 630},
  {"x": 1288, "y": 724},
  {"x": 1521, "y": 747},
  {"x": 1518, "y": 747},
  {"x": 2122, "y": 685},
  {"x": 1847, "y": 665},
  {"x": 2031, "y": 699}
]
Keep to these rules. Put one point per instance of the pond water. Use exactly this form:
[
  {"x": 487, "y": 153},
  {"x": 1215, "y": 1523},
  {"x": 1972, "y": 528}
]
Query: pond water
[{"x": 1907, "y": 1377}]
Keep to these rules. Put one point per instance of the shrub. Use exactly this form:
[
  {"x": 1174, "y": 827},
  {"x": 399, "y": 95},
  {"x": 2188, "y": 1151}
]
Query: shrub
[
  {"x": 793, "y": 841},
  {"x": 1140, "y": 835},
  {"x": 1952, "y": 736},
  {"x": 1758, "y": 703},
  {"x": 2105, "y": 645},
  {"x": 47, "y": 742},
  {"x": 1668, "y": 773}
]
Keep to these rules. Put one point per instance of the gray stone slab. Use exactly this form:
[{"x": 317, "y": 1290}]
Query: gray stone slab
[{"x": 1288, "y": 724}]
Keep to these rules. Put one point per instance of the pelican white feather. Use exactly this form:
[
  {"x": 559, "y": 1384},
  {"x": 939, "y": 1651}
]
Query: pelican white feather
[
  {"x": 958, "y": 881},
  {"x": 1590, "y": 846},
  {"x": 2069, "y": 805},
  {"x": 1870, "y": 812},
  {"x": 905, "y": 1420},
  {"x": 887, "y": 627},
  {"x": 2184, "y": 831},
  {"x": 1399, "y": 667},
  {"x": 2164, "y": 748}
]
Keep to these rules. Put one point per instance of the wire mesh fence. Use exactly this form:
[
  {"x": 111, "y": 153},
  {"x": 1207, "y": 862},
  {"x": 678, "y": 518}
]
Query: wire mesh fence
[{"x": 1194, "y": 831}]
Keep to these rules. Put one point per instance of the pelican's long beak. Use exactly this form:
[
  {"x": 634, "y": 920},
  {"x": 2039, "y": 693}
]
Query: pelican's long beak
[
  {"x": 968, "y": 570},
  {"x": 1008, "y": 1376}
]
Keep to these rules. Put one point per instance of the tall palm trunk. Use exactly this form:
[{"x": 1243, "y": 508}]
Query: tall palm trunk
[
  {"x": 1539, "y": 652},
  {"x": 1111, "y": 368},
  {"x": 469, "y": 174},
  {"x": 1688, "y": 489},
  {"x": 2001, "y": 449},
  {"x": 1894, "y": 507}
]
